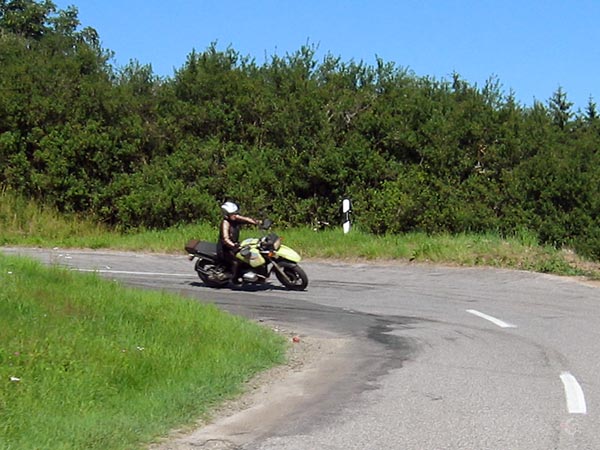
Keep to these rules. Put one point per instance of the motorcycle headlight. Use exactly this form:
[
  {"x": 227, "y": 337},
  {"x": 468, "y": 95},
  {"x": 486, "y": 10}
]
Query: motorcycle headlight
[{"x": 271, "y": 242}]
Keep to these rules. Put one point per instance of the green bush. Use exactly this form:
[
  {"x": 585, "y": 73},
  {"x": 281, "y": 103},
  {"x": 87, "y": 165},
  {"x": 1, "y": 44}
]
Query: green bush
[{"x": 287, "y": 139}]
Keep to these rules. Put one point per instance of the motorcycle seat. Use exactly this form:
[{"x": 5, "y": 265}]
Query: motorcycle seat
[{"x": 202, "y": 247}]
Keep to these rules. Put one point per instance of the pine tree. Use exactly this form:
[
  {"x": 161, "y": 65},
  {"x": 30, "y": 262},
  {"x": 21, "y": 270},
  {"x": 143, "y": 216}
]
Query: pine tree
[{"x": 560, "y": 108}]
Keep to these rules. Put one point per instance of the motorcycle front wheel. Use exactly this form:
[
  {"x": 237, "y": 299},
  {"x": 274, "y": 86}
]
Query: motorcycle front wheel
[{"x": 295, "y": 278}]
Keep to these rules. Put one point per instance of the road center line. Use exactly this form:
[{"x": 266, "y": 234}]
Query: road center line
[
  {"x": 495, "y": 321},
  {"x": 574, "y": 393}
]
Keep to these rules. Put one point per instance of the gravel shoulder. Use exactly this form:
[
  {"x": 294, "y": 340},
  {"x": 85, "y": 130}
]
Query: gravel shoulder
[{"x": 270, "y": 397}]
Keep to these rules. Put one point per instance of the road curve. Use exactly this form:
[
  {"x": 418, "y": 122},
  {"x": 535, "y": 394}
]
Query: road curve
[{"x": 422, "y": 357}]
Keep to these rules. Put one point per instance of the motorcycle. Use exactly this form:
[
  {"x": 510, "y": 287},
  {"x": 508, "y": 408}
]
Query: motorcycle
[{"x": 259, "y": 258}]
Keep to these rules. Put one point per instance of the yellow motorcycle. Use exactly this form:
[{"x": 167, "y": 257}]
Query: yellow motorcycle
[{"x": 259, "y": 258}]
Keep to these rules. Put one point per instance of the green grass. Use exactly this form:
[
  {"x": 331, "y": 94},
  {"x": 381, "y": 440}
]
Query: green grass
[
  {"x": 100, "y": 366},
  {"x": 491, "y": 250},
  {"x": 24, "y": 223}
]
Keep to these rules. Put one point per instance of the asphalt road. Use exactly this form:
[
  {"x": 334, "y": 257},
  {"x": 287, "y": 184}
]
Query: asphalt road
[{"x": 429, "y": 357}]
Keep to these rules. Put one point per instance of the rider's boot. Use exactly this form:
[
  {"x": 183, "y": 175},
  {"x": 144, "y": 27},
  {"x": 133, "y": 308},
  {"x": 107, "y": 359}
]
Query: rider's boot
[{"x": 235, "y": 278}]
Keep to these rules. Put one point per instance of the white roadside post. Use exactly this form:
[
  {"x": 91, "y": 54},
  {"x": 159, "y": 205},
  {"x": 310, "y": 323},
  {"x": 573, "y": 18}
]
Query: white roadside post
[{"x": 346, "y": 210}]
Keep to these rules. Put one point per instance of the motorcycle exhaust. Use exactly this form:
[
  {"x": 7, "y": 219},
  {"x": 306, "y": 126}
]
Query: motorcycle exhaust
[{"x": 250, "y": 277}]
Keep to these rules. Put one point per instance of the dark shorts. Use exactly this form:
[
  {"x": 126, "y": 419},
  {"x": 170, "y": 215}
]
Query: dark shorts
[{"x": 225, "y": 253}]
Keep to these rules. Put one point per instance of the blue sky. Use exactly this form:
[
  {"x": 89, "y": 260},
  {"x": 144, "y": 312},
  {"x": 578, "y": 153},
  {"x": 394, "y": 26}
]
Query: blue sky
[{"x": 532, "y": 47}]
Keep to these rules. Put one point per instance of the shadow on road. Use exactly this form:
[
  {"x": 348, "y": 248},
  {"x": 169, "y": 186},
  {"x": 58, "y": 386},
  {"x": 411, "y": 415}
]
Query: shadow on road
[{"x": 244, "y": 287}]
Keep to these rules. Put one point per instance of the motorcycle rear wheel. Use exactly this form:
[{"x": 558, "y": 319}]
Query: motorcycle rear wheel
[
  {"x": 208, "y": 281},
  {"x": 296, "y": 280}
]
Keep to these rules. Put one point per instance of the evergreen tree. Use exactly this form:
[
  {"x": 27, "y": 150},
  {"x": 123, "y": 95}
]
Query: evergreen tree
[
  {"x": 560, "y": 108},
  {"x": 591, "y": 111}
]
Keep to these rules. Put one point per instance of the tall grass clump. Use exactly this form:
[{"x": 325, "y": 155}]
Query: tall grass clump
[
  {"x": 25, "y": 222},
  {"x": 88, "y": 364},
  {"x": 464, "y": 249},
  {"x": 22, "y": 222}
]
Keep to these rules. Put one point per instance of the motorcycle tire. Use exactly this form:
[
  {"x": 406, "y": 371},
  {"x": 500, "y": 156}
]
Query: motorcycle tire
[
  {"x": 296, "y": 277},
  {"x": 208, "y": 281}
]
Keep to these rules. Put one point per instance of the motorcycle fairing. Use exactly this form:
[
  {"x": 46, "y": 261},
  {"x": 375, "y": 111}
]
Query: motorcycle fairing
[{"x": 286, "y": 252}]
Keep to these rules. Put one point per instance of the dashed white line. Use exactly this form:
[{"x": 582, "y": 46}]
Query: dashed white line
[
  {"x": 574, "y": 393},
  {"x": 494, "y": 320}
]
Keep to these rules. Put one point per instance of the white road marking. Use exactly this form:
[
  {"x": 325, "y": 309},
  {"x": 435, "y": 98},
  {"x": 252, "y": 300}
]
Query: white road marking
[
  {"x": 125, "y": 272},
  {"x": 495, "y": 321},
  {"x": 574, "y": 393}
]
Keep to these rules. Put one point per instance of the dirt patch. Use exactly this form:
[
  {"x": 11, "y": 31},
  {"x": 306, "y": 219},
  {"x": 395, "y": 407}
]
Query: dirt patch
[{"x": 268, "y": 398}]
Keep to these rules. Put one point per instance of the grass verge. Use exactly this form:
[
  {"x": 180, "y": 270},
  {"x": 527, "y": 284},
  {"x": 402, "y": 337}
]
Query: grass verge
[
  {"x": 87, "y": 363},
  {"x": 22, "y": 222}
]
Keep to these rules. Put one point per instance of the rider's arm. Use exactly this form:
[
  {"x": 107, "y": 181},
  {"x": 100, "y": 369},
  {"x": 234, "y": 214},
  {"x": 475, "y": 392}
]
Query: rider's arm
[{"x": 245, "y": 219}]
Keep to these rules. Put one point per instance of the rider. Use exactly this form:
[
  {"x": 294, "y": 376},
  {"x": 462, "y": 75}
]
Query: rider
[{"x": 229, "y": 235}]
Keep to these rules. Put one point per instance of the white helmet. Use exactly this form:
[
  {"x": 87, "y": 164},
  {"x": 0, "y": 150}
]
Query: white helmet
[{"x": 229, "y": 208}]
